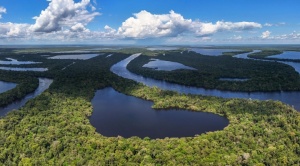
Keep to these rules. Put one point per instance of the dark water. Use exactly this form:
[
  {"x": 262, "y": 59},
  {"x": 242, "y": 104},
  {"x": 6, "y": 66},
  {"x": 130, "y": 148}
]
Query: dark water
[
  {"x": 117, "y": 114},
  {"x": 291, "y": 98},
  {"x": 158, "y": 64},
  {"x": 44, "y": 84},
  {"x": 6, "y": 86}
]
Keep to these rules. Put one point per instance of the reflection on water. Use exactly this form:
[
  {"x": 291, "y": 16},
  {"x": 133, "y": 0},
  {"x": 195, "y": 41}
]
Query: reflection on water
[
  {"x": 234, "y": 79},
  {"x": 287, "y": 55},
  {"x": 158, "y": 64},
  {"x": 44, "y": 84},
  {"x": 291, "y": 98},
  {"x": 211, "y": 52},
  {"x": 23, "y": 69},
  {"x": 245, "y": 55},
  {"x": 117, "y": 114},
  {"x": 76, "y": 56},
  {"x": 11, "y": 61},
  {"x": 161, "y": 48},
  {"x": 6, "y": 86}
]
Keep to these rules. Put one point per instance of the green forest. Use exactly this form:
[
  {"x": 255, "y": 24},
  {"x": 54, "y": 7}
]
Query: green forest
[
  {"x": 263, "y": 76},
  {"x": 54, "y": 128}
]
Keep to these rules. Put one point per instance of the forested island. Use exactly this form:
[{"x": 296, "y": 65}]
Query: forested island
[{"x": 54, "y": 128}]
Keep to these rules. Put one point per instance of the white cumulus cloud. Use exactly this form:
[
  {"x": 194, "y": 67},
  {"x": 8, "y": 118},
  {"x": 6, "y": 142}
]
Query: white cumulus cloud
[
  {"x": 8, "y": 30},
  {"x": 147, "y": 25},
  {"x": 265, "y": 34},
  {"x": 63, "y": 13},
  {"x": 2, "y": 10}
]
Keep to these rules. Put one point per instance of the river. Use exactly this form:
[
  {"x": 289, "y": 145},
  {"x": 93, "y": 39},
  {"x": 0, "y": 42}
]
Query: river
[
  {"x": 44, "y": 84},
  {"x": 291, "y": 98}
]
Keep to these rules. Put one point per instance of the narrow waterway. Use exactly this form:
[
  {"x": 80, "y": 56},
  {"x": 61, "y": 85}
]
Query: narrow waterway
[
  {"x": 44, "y": 84},
  {"x": 291, "y": 98}
]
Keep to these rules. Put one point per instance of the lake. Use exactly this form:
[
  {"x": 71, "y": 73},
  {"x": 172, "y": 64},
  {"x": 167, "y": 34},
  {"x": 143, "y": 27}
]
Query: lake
[
  {"x": 158, "y": 64},
  {"x": 117, "y": 114},
  {"x": 11, "y": 61},
  {"x": 23, "y": 69},
  {"x": 75, "y": 56},
  {"x": 291, "y": 98},
  {"x": 6, "y": 86},
  {"x": 211, "y": 52},
  {"x": 161, "y": 48},
  {"x": 234, "y": 79},
  {"x": 287, "y": 55},
  {"x": 44, "y": 84}
]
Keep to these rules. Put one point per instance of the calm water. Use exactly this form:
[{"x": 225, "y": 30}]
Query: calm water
[
  {"x": 162, "y": 48},
  {"x": 6, "y": 86},
  {"x": 158, "y": 64},
  {"x": 287, "y": 55},
  {"x": 211, "y": 52},
  {"x": 291, "y": 98},
  {"x": 77, "y": 56},
  {"x": 117, "y": 114},
  {"x": 23, "y": 69},
  {"x": 44, "y": 84},
  {"x": 245, "y": 55},
  {"x": 11, "y": 61},
  {"x": 295, "y": 65},
  {"x": 234, "y": 79}
]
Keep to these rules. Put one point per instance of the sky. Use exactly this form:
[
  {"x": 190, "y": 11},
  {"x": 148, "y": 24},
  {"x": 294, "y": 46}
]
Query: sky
[{"x": 149, "y": 22}]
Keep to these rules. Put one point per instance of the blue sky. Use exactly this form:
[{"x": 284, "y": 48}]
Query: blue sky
[{"x": 149, "y": 21}]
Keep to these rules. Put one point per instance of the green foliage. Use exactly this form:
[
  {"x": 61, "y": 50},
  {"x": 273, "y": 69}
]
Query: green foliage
[
  {"x": 264, "y": 54},
  {"x": 53, "y": 129},
  {"x": 263, "y": 76},
  {"x": 26, "y": 84}
]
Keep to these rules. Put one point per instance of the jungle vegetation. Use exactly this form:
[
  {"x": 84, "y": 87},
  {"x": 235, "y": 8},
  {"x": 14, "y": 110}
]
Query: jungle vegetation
[
  {"x": 54, "y": 129},
  {"x": 263, "y": 76}
]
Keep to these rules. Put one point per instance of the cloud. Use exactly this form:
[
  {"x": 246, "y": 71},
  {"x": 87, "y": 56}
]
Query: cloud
[
  {"x": 63, "y": 14},
  {"x": 268, "y": 25},
  {"x": 147, "y": 25},
  {"x": 2, "y": 10},
  {"x": 13, "y": 30},
  {"x": 275, "y": 24},
  {"x": 206, "y": 29},
  {"x": 265, "y": 34}
]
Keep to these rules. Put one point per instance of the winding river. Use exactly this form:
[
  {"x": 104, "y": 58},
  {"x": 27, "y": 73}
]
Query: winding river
[
  {"x": 44, "y": 84},
  {"x": 291, "y": 98}
]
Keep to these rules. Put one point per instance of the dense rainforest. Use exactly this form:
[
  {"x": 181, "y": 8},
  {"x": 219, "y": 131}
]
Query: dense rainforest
[
  {"x": 262, "y": 76},
  {"x": 54, "y": 129}
]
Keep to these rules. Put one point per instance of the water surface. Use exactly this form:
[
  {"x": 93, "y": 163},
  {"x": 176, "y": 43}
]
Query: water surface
[
  {"x": 11, "y": 61},
  {"x": 234, "y": 79},
  {"x": 291, "y": 98},
  {"x": 158, "y": 64},
  {"x": 76, "y": 56},
  {"x": 211, "y": 52},
  {"x": 44, "y": 84},
  {"x": 287, "y": 55},
  {"x": 23, "y": 69},
  {"x": 161, "y": 48},
  {"x": 117, "y": 114},
  {"x": 6, "y": 86}
]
